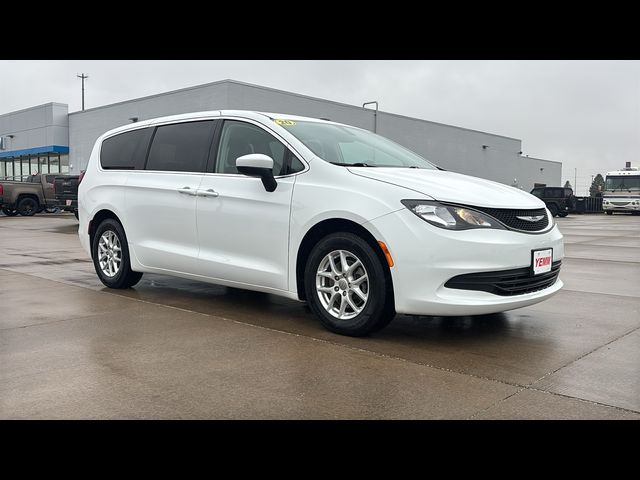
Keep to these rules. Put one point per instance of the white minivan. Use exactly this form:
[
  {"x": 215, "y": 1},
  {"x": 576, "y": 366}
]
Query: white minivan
[{"x": 352, "y": 223}]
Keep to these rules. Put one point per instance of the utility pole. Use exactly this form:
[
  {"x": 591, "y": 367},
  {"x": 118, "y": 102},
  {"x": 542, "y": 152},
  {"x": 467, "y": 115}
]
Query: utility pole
[{"x": 83, "y": 77}]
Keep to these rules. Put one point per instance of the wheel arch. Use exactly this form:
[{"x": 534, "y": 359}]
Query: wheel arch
[
  {"x": 97, "y": 219},
  {"x": 327, "y": 227},
  {"x": 22, "y": 196}
]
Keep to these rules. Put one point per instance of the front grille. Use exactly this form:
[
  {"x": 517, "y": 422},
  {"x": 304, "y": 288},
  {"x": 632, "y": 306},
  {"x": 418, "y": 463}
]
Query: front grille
[
  {"x": 509, "y": 218},
  {"x": 517, "y": 281},
  {"x": 620, "y": 204}
]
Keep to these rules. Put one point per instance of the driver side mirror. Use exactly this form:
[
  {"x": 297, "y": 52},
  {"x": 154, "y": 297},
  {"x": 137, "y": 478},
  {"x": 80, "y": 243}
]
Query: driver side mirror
[{"x": 258, "y": 165}]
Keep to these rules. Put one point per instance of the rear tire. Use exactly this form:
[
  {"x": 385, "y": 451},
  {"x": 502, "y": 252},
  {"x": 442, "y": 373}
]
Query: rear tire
[
  {"x": 563, "y": 214},
  {"x": 609, "y": 213},
  {"x": 28, "y": 206},
  {"x": 9, "y": 212},
  {"x": 110, "y": 255},
  {"x": 365, "y": 286}
]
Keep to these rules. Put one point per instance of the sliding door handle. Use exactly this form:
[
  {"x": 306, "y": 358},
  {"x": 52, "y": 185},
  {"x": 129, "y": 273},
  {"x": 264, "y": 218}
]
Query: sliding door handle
[
  {"x": 187, "y": 190},
  {"x": 208, "y": 193}
]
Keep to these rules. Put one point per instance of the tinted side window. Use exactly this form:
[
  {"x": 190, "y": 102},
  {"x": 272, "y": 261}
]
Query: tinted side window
[
  {"x": 182, "y": 147},
  {"x": 538, "y": 192},
  {"x": 126, "y": 150},
  {"x": 239, "y": 138}
]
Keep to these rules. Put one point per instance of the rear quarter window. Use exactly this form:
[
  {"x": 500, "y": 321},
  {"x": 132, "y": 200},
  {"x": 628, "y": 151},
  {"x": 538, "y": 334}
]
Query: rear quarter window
[
  {"x": 125, "y": 151},
  {"x": 181, "y": 147}
]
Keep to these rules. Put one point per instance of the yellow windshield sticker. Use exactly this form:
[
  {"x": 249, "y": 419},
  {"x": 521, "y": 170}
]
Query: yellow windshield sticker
[{"x": 279, "y": 121}]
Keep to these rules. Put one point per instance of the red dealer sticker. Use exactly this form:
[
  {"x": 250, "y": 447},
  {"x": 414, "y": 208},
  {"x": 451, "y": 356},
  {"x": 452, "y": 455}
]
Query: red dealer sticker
[{"x": 542, "y": 260}]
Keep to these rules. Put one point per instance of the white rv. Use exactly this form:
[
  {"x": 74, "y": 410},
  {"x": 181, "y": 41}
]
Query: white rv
[{"x": 622, "y": 191}]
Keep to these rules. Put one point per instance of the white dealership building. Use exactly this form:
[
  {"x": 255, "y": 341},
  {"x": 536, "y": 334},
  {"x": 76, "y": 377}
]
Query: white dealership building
[{"x": 48, "y": 139}]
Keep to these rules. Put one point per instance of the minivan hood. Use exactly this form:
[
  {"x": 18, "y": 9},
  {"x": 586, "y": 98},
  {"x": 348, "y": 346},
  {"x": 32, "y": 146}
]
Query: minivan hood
[{"x": 452, "y": 187}]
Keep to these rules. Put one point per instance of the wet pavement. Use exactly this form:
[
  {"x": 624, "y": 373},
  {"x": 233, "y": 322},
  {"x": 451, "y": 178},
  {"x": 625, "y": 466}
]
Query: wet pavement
[{"x": 173, "y": 348}]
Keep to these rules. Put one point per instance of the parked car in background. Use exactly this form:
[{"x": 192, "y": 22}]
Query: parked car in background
[
  {"x": 66, "y": 192},
  {"x": 27, "y": 197},
  {"x": 352, "y": 223},
  {"x": 559, "y": 200}
]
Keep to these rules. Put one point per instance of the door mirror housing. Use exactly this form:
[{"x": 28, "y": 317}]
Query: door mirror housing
[{"x": 258, "y": 165}]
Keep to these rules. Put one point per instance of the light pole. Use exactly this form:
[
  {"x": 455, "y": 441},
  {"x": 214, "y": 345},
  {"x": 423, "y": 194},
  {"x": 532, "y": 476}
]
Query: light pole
[
  {"x": 83, "y": 77},
  {"x": 375, "y": 115}
]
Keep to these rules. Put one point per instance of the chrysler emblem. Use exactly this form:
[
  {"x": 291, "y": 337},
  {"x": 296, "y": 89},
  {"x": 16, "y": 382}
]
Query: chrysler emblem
[{"x": 531, "y": 218}]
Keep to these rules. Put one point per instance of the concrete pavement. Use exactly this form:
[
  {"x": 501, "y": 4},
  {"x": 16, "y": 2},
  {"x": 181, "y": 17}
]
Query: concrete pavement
[{"x": 172, "y": 348}]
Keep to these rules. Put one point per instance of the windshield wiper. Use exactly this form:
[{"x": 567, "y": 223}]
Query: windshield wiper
[{"x": 359, "y": 164}]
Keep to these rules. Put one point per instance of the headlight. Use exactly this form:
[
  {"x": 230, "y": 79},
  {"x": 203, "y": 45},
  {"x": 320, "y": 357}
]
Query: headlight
[{"x": 451, "y": 217}]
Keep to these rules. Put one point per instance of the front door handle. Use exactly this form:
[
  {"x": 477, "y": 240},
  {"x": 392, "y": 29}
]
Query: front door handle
[
  {"x": 187, "y": 190},
  {"x": 208, "y": 193}
]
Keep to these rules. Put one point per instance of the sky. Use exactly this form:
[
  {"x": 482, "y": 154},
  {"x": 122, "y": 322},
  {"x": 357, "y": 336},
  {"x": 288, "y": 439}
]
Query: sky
[{"x": 585, "y": 114}]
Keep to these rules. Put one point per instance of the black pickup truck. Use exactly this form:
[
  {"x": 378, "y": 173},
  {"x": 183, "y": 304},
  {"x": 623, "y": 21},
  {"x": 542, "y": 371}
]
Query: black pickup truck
[
  {"x": 559, "y": 200},
  {"x": 66, "y": 192}
]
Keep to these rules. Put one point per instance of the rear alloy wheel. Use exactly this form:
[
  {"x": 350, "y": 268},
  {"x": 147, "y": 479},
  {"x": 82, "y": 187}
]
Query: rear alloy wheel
[
  {"x": 347, "y": 287},
  {"x": 9, "y": 212},
  {"x": 28, "y": 207},
  {"x": 110, "y": 255}
]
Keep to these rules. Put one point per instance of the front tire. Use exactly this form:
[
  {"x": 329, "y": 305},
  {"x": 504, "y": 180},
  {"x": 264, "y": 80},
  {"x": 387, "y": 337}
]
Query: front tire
[
  {"x": 110, "y": 255},
  {"x": 563, "y": 214},
  {"x": 347, "y": 287},
  {"x": 553, "y": 210},
  {"x": 609, "y": 213}
]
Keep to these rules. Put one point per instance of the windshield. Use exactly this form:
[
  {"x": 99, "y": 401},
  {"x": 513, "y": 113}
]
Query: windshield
[
  {"x": 623, "y": 182},
  {"x": 350, "y": 146}
]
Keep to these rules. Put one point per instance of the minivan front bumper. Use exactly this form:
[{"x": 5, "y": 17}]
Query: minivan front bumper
[{"x": 426, "y": 257}]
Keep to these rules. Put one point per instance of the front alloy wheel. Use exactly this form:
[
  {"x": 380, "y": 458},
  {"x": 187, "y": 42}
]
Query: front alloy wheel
[
  {"x": 342, "y": 284},
  {"x": 348, "y": 285}
]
